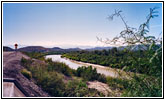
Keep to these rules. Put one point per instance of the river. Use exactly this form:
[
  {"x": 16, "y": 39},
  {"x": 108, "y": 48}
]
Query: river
[{"x": 75, "y": 64}]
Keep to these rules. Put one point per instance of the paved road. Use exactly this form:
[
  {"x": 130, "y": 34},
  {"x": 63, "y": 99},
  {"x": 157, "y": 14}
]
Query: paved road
[{"x": 9, "y": 57}]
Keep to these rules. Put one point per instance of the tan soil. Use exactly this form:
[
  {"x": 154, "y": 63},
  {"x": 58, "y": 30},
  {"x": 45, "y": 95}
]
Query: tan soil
[{"x": 104, "y": 88}]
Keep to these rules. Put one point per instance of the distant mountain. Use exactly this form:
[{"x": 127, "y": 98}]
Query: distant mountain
[
  {"x": 73, "y": 49},
  {"x": 43, "y": 49},
  {"x": 134, "y": 47},
  {"x": 5, "y": 48},
  {"x": 60, "y": 50},
  {"x": 99, "y": 48},
  {"x": 34, "y": 49},
  {"x": 55, "y": 49}
]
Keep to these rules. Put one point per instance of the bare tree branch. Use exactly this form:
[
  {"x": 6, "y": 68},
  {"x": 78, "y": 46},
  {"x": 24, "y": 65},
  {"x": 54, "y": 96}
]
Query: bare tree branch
[{"x": 130, "y": 35}]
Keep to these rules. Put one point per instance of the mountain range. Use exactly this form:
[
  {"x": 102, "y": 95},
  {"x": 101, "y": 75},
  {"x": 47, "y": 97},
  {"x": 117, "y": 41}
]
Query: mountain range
[
  {"x": 54, "y": 49},
  {"x": 57, "y": 49}
]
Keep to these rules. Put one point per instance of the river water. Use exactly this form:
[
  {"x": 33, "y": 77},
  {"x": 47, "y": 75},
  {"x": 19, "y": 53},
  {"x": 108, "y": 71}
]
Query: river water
[{"x": 75, "y": 64}]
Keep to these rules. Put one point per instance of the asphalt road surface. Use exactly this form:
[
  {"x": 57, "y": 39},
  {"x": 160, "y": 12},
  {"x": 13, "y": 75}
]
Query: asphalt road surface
[{"x": 9, "y": 57}]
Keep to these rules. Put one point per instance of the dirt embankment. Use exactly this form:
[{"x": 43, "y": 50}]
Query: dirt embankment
[
  {"x": 104, "y": 88},
  {"x": 11, "y": 69}
]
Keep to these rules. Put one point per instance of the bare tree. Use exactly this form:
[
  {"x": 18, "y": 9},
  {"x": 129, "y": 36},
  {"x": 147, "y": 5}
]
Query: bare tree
[{"x": 132, "y": 36}]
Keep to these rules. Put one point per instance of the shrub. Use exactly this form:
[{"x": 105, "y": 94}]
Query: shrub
[
  {"x": 144, "y": 86},
  {"x": 52, "y": 83},
  {"x": 59, "y": 67},
  {"x": 36, "y": 55},
  {"x": 26, "y": 73},
  {"x": 26, "y": 62},
  {"x": 117, "y": 83},
  {"x": 50, "y": 78},
  {"x": 90, "y": 74}
]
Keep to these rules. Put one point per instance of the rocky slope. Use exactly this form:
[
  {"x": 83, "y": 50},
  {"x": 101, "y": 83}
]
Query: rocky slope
[{"x": 11, "y": 69}]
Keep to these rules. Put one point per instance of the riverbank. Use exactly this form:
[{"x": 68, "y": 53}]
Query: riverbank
[{"x": 107, "y": 71}]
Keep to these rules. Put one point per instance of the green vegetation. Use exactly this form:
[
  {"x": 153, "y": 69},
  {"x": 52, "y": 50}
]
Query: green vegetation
[
  {"x": 145, "y": 63},
  {"x": 144, "y": 86},
  {"x": 59, "y": 67},
  {"x": 122, "y": 59},
  {"x": 35, "y": 55},
  {"x": 146, "y": 60},
  {"x": 50, "y": 76},
  {"x": 40, "y": 55},
  {"x": 138, "y": 86},
  {"x": 57, "y": 79},
  {"x": 49, "y": 80},
  {"x": 149, "y": 62},
  {"x": 89, "y": 74},
  {"x": 26, "y": 73}
]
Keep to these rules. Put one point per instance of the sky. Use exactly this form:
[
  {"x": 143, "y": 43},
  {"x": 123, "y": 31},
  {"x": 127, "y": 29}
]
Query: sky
[{"x": 68, "y": 25}]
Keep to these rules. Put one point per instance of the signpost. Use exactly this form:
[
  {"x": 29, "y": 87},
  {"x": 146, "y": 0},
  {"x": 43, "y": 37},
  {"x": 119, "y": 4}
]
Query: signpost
[{"x": 16, "y": 45}]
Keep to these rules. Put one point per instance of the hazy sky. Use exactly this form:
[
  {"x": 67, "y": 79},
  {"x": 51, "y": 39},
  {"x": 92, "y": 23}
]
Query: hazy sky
[{"x": 71, "y": 24}]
